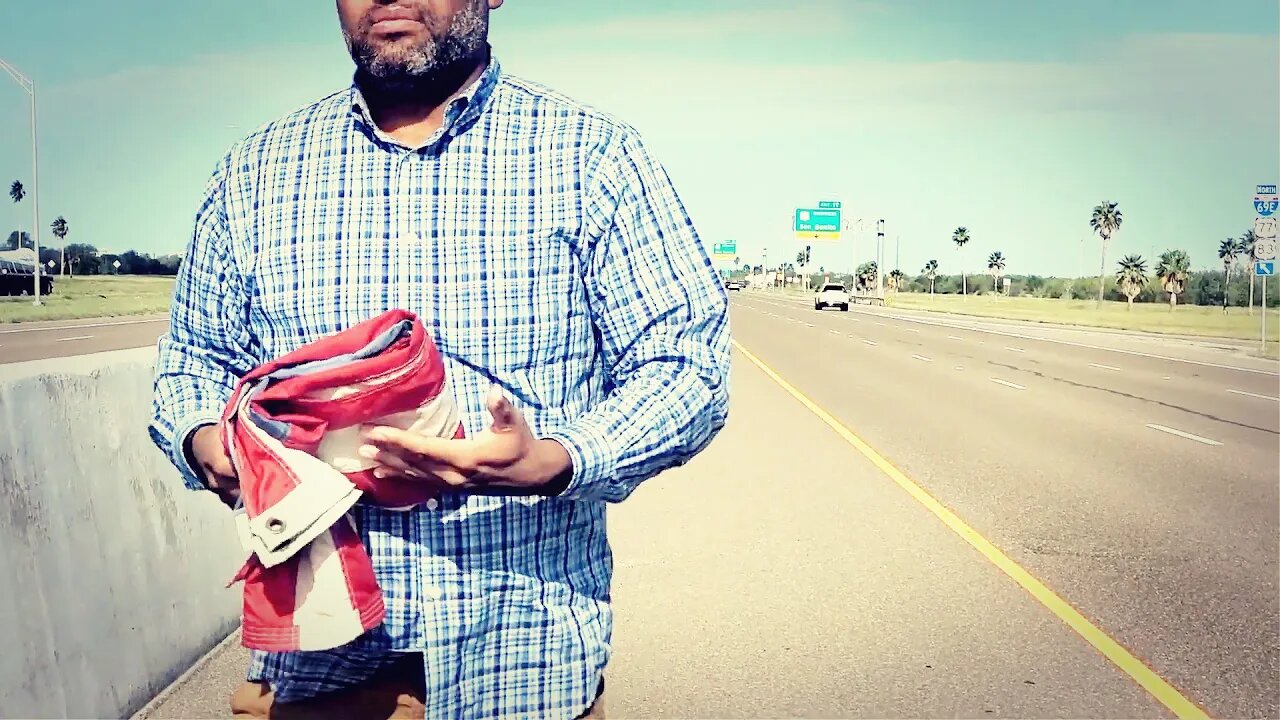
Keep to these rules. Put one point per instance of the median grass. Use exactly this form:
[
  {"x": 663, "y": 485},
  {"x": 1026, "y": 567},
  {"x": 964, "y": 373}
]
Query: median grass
[
  {"x": 93, "y": 296},
  {"x": 1196, "y": 320}
]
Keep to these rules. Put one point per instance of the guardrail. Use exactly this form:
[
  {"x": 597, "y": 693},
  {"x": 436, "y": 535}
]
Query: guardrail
[{"x": 114, "y": 572}]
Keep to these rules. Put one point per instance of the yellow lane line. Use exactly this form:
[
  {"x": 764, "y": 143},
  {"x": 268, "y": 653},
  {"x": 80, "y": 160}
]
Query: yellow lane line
[{"x": 1158, "y": 687}]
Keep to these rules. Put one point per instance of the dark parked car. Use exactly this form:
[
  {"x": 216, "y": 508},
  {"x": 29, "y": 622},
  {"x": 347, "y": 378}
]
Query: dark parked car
[
  {"x": 734, "y": 284},
  {"x": 12, "y": 283}
]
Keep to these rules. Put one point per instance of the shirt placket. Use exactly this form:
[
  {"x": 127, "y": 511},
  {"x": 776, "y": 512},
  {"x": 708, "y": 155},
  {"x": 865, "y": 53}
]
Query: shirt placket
[{"x": 402, "y": 240}]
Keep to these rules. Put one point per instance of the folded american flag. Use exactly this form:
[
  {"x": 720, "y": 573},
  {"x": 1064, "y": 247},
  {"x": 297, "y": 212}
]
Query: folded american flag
[{"x": 292, "y": 429}]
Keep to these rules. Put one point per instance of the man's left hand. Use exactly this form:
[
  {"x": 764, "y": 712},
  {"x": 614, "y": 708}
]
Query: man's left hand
[{"x": 505, "y": 459}]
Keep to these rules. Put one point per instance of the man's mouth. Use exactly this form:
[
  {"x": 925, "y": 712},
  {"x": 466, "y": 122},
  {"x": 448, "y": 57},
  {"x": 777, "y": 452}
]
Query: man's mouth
[{"x": 393, "y": 19}]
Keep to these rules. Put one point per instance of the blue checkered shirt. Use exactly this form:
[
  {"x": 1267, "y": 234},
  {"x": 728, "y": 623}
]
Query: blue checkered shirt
[{"x": 548, "y": 252}]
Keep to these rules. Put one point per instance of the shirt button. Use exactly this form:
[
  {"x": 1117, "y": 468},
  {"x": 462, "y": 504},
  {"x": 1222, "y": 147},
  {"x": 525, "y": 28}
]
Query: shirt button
[{"x": 433, "y": 504}]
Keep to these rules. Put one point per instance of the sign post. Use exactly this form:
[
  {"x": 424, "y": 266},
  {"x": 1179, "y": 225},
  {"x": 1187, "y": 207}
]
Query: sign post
[{"x": 1266, "y": 203}]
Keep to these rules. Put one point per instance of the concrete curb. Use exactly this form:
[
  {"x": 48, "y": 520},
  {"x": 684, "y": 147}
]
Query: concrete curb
[{"x": 145, "y": 711}]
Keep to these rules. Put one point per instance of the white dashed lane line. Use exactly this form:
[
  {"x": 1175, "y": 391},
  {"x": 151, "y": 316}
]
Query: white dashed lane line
[
  {"x": 1104, "y": 367},
  {"x": 1014, "y": 349},
  {"x": 78, "y": 337},
  {"x": 921, "y": 358},
  {"x": 1256, "y": 395},
  {"x": 953, "y": 337},
  {"x": 1182, "y": 434},
  {"x": 872, "y": 344},
  {"x": 1007, "y": 384}
]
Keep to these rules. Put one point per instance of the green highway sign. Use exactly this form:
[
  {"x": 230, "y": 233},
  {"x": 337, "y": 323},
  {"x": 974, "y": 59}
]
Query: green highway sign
[
  {"x": 817, "y": 223},
  {"x": 725, "y": 250}
]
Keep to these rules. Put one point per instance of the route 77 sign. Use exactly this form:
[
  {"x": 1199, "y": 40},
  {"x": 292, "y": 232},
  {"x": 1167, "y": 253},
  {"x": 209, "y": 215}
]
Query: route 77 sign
[{"x": 1264, "y": 228}]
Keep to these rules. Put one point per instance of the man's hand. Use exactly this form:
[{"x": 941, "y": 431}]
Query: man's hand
[
  {"x": 212, "y": 461},
  {"x": 503, "y": 460}
]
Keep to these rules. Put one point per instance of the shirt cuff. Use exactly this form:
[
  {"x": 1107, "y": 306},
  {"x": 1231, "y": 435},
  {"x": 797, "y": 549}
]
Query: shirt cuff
[
  {"x": 191, "y": 475},
  {"x": 594, "y": 462}
]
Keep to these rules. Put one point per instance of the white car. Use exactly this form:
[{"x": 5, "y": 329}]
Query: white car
[{"x": 831, "y": 295}]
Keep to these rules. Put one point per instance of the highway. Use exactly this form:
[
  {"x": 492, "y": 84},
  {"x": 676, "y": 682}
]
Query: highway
[
  {"x": 915, "y": 515},
  {"x": 1144, "y": 489},
  {"x": 22, "y": 342}
]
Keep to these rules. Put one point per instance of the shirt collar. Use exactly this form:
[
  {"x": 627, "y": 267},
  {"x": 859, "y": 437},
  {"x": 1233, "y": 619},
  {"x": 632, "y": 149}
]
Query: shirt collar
[{"x": 460, "y": 113}]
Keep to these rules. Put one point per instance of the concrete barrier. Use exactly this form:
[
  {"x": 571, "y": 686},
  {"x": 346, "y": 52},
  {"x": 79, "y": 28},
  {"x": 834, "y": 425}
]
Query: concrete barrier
[{"x": 113, "y": 573}]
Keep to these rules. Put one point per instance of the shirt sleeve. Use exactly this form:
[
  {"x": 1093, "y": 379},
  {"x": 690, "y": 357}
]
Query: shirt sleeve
[
  {"x": 662, "y": 317},
  {"x": 205, "y": 350}
]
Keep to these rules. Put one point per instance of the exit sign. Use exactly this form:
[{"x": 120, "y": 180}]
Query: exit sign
[{"x": 829, "y": 205}]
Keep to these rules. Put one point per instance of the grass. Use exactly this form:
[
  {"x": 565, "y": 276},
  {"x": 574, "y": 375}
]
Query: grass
[
  {"x": 1195, "y": 320},
  {"x": 93, "y": 297}
]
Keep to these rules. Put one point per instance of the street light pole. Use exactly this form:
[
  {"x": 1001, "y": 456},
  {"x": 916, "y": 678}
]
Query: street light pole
[
  {"x": 880, "y": 259},
  {"x": 29, "y": 86}
]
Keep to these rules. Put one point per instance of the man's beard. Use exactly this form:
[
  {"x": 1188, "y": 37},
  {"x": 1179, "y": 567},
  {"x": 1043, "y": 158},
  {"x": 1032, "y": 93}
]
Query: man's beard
[{"x": 392, "y": 69}]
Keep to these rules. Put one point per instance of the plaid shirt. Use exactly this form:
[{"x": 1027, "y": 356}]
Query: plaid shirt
[{"x": 547, "y": 251}]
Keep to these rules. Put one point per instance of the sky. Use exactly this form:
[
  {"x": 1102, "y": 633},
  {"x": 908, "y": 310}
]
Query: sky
[{"x": 1012, "y": 118}]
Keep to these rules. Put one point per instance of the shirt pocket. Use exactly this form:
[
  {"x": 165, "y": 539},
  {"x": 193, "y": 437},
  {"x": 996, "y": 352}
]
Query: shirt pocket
[
  {"x": 310, "y": 287},
  {"x": 514, "y": 305}
]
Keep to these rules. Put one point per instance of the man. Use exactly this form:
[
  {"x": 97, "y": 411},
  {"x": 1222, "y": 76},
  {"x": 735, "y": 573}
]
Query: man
[{"x": 549, "y": 255}]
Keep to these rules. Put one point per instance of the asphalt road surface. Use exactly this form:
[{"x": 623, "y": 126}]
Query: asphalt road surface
[
  {"x": 915, "y": 516},
  {"x": 21, "y": 342},
  {"x": 1140, "y": 482}
]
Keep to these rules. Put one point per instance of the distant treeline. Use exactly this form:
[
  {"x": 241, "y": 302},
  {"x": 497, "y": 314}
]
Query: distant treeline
[
  {"x": 1203, "y": 287},
  {"x": 85, "y": 259}
]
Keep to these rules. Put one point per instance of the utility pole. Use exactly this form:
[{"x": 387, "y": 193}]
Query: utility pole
[{"x": 29, "y": 86}]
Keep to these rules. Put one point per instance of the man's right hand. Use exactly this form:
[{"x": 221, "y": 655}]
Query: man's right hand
[{"x": 212, "y": 461}]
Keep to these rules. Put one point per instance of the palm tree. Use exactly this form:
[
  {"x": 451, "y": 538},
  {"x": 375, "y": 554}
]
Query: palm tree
[
  {"x": 1105, "y": 221},
  {"x": 865, "y": 275},
  {"x": 1229, "y": 253},
  {"x": 60, "y": 229},
  {"x": 995, "y": 266},
  {"x": 1248, "y": 248},
  {"x": 961, "y": 237},
  {"x": 1172, "y": 270},
  {"x": 895, "y": 279},
  {"x": 931, "y": 272},
  {"x": 17, "y": 192},
  {"x": 1132, "y": 276}
]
